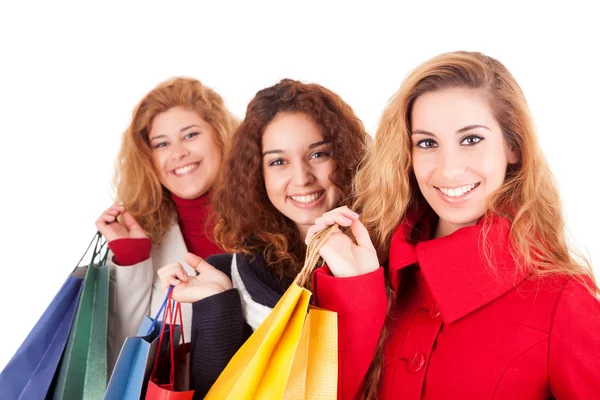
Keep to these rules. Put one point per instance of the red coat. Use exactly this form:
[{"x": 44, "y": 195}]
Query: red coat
[{"x": 462, "y": 330}]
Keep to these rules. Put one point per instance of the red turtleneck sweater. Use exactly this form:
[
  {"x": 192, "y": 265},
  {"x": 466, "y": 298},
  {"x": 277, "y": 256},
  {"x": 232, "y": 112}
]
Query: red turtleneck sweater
[{"x": 192, "y": 219}]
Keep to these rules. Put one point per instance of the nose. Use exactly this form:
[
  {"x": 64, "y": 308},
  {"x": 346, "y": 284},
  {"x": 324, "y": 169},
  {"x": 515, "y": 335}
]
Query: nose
[
  {"x": 452, "y": 164},
  {"x": 178, "y": 151},
  {"x": 302, "y": 174}
]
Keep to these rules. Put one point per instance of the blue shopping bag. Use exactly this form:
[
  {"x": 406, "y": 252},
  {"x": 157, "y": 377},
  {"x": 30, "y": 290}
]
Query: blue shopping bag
[
  {"x": 28, "y": 375},
  {"x": 130, "y": 376}
]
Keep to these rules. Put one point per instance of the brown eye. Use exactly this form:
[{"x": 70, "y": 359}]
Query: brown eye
[
  {"x": 471, "y": 140},
  {"x": 427, "y": 144}
]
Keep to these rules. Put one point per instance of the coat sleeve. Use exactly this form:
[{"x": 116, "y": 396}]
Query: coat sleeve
[
  {"x": 218, "y": 331},
  {"x": 129, "y": 301},
  {"x": 574, "y": 344},
  {"x": 361, "y": 305}
]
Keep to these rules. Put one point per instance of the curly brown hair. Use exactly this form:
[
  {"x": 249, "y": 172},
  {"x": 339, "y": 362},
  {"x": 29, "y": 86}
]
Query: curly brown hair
[{"x": 247, "y": 222}]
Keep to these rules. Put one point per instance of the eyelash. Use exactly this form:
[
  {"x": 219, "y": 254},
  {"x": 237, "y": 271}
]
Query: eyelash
[
  {"x": 187, "y": 136},
  {"x": 323, "y": 154},
  {"x": 421, "y": 143},
  {"x": 479, "y": 139}
]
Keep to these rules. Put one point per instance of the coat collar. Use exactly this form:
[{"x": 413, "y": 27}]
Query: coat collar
[{"x": 455, "y": 267}]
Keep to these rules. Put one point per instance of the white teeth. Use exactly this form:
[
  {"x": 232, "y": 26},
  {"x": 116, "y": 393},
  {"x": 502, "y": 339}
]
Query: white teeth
[
  {"x": 306, "y": 199},
  {"x": 457, "y": 192},
  {"x": 187, "y": 168}
]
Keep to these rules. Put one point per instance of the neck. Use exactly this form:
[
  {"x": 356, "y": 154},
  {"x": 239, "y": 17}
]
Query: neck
[
  {"x": 445, "y": 228},
  {"x": 303, "y": 230}
]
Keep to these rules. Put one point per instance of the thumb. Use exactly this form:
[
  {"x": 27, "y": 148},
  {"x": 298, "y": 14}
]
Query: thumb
[
  {"x": 130, "y": 221},
  {"x": 197, "y": 262}
]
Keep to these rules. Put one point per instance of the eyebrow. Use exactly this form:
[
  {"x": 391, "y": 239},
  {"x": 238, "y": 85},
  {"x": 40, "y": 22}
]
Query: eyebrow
[
  {"x": 312, "y": 146},
  {"x": 180, "y": 131},
  {"x": 461, "y": 130}
]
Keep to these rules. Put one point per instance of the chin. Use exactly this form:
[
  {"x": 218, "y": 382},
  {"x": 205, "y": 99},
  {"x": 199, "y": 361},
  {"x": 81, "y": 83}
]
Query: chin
[{"x": 460, "y": 220}]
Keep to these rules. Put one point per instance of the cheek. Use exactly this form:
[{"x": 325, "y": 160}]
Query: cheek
[
  {"x": 273, "y": 184},
  {"x": 214, "y": 159},
  {"x": 158, "y": 163},
  {"x": 492, "y": 169},
  {"x": 423, "y": 168}
]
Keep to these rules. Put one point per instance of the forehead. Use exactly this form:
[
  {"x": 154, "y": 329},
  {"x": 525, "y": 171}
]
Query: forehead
[
  {"x": 450, "y": 110},
  {"x": 288, "y": 131},
  {"x": 174, "y": 119}
]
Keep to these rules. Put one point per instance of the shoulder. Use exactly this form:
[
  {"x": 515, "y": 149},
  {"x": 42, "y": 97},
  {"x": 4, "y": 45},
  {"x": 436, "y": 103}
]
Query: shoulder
[{"x": 577, "y": 299}]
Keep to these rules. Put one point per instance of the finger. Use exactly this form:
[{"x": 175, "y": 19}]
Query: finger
[
  {"x": 108, "y": 218},
  {"x": 335, "y": 218},
  {"x": 361, "y": 235},
  {"x": 170, "y": 282},
  {"x": 112, "y": 211},
  {"x": 103, "y": 221},
  {"x": 312, "y": 231},
  {"x": 197, "y": 262},
  {"x": 345, "y": 211},
  {"x": 180, "y": 273},
  {"x": 130, "y": 221},
  {"x": 175, "y": 269}
]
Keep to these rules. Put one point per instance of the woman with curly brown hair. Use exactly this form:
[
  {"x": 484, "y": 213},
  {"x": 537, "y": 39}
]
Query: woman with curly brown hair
[
  {"x": 169, "y": 159},
  {"x": 293, "y": 158}
]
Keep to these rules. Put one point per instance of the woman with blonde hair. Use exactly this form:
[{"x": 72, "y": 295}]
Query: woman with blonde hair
[
  {"x": 460, "y": 208},
  {"x": 170, "y": 156}
]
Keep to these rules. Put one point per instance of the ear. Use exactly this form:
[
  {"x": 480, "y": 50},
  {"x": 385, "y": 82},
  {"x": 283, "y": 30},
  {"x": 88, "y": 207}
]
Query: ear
[{"x": 512, "y": 155}]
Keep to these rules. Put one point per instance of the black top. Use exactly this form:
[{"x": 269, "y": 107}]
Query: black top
[{"x": 218, "y": 325}]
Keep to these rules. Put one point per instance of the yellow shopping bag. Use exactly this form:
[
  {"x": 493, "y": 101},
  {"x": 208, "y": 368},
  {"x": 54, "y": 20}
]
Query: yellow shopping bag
[{"x": 293, "y": 353}]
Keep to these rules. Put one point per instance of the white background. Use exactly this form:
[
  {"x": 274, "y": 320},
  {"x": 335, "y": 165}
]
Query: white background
[{"x": 71, "y": 74}]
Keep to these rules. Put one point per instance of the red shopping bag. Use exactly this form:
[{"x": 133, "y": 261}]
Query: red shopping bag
[{"x": 169, "y": 379}]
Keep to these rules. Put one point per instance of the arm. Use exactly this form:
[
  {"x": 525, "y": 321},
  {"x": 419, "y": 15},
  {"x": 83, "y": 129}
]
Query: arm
[
  {"x": 574, "y": 344},
  {"x": 361, "y": 304}
]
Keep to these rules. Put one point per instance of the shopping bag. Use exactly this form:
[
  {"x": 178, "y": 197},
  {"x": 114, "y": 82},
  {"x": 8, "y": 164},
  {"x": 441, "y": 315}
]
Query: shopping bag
[
  {"x": 169, "y": 379},
  {"x": 130, "y": 376},
  {"x": 29, "y": 373},
  {"x": 83, "y": 368},
  {"x": 293, "y": 353}
]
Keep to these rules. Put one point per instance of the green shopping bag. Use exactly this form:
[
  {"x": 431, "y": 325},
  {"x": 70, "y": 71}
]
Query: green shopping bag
[{"x": 83, "y": 370}]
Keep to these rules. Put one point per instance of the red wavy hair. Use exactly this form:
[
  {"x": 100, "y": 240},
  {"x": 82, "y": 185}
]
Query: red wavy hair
[{"x": 136, "y": 182}]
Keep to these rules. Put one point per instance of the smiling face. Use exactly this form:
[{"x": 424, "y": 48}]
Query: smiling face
[
  {"x": 185, "y": 152},
  {"x": 459, "y": 155},
  {"x": 297, "y": 165}
]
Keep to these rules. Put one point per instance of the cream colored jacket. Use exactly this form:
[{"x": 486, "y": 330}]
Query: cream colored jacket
[{"x": 135, "y": 291}]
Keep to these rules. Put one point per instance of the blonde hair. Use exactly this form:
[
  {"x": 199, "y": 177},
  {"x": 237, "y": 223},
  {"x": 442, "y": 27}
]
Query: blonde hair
[
  {"x": 387, "y": 191},
  {"x": 136, "y": 183}
]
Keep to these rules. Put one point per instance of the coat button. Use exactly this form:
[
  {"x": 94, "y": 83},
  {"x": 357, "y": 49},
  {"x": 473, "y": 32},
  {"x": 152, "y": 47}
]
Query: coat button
[
  {"x": 434, "y": 312},
  {"x": 416, "y": 362}
]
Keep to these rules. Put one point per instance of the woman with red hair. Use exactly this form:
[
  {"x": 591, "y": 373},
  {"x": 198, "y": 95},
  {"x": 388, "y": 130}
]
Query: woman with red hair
[{"x": 170, "y": 156}]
